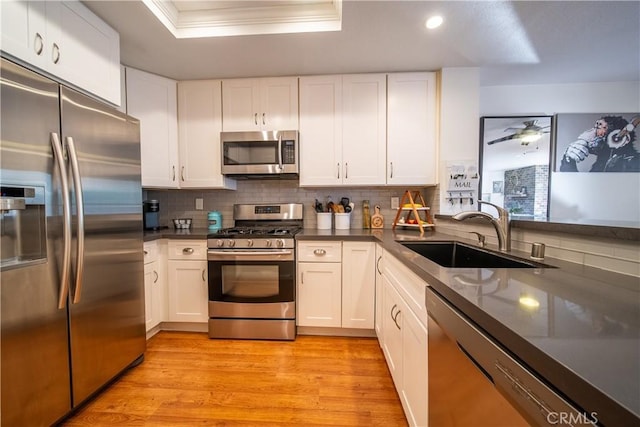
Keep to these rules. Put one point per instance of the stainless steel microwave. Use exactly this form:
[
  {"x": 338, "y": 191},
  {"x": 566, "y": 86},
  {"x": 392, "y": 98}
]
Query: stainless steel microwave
[{"x": 260, "y": 153}]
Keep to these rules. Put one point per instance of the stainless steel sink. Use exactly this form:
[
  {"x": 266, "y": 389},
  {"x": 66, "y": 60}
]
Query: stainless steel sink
[{"x": 459, "y": 255}]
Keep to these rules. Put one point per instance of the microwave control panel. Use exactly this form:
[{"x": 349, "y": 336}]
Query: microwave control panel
[{"x": 289, "y": 152}]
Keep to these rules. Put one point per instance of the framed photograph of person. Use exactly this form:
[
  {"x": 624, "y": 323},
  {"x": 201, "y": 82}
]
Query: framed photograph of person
[
  {"x": 498, "y": 187},
  {"x": 597, "y": 142}
]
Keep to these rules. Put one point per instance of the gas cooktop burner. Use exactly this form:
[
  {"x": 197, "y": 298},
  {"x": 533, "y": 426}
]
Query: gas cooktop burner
[{"x": 258, "y": 231}]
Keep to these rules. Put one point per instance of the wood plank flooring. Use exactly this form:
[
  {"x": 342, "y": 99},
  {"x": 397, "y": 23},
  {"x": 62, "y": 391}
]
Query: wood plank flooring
[{"x": 188, "y": 379}]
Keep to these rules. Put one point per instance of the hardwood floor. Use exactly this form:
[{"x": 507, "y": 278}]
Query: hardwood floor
[{"x": 188, "y": 379}]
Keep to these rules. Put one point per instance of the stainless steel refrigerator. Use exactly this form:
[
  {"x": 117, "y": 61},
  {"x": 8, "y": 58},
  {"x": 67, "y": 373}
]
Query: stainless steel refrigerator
[{"x": 71, "y": 246}]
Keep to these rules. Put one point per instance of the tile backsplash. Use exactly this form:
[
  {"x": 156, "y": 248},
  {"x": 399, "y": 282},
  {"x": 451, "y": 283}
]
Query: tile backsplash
[{"x": 181, "y": 203}]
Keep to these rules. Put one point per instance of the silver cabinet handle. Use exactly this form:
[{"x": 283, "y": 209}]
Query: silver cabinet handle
[
  {"x": 391, "y": 174},
  {"x": 145, "y": 252},
  {"x": 55, "y": 53},
  {"x": 173, "y": 177},
  {"x": 263, "y": 118},
  {"x": 182, "y": 173},
  {"x": 395, "y": 319},
  {"x": 255, "y": 118},
  {"x": 187, "y": 251},
  {"x": 66, "y": 220},
  {"x": 302, "y": 277},
  {"x": 155, "y": 280},
  {"x": 346, "y": 170},
  {"x": 393, "y": 308},
  {"x": 204, "y": 279},
  {"x": 378, "y": 265},
  {"x": 38, "y": 44},
  {"x": 77, "y": 184},
  {"x": 338, "y": 170},
  {"x": 320, "y": 252}
]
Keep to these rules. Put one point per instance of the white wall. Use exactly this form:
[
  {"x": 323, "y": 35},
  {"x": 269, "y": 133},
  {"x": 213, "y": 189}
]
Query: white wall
[{"x": 577, "y": 196}]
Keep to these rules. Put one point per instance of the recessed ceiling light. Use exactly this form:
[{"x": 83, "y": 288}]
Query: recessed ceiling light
[{"x": 434, "y": 22}]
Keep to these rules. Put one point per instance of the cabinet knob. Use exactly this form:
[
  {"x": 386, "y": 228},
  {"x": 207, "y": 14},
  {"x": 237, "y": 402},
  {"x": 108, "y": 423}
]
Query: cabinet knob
[
  {"x": 320, "y": 252},
  {"x": 187, "y": 251}
]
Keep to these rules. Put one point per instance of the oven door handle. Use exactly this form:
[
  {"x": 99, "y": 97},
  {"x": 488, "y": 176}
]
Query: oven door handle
[
  {"x": 285, "y": 252},
  {"x": 284, "y": 255}
]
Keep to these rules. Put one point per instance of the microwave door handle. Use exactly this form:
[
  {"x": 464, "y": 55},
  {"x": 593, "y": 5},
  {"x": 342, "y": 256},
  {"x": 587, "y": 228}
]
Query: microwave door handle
[
  {"x": 66, "y": 220},
  {"x": 77, "y": 183},
  {"x": 280, "y": 152}
]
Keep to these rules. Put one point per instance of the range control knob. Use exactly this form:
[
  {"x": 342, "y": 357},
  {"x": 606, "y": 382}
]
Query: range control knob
[
  {"x": 249, "y": 243},
  {"x": 280, "y": 243},
  {"x": 268, "y": 243},
  {"x": 219, "y": 243},
  {"x": 231, "y": 243}
]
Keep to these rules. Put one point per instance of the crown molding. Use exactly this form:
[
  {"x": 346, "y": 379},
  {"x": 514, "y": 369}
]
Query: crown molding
[{"x": 281, "y": 18}]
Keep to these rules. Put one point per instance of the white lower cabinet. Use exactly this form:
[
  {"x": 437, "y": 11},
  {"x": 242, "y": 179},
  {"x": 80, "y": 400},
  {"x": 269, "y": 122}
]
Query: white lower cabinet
[
  {"x": 331, "y": 293},
  {"x": 187, "y": 274},
  {"x": 154, "y": 285},
  {"x": 404, "y": 338}
]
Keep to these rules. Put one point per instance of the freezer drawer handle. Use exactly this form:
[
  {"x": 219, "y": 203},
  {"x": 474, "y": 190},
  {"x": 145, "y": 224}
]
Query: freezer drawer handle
[
  {"x": 77, "y": 183},
  {"x": 66, "y": 220}
]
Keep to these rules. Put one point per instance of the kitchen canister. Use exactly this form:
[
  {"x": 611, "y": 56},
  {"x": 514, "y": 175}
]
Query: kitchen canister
[
  {"x": 215, "y": 220},
  {"x": 324, "y": 220},
  {"x": 343, "y": 221}
]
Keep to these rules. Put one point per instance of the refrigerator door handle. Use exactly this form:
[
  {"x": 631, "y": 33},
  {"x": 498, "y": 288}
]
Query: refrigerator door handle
[
  {"x": 77, "y": 183},
  {"x": 66, "y": 220}
]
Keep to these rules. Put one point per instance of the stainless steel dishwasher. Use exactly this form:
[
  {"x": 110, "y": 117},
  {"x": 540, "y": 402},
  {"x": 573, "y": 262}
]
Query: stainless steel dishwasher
[{"x": 473, "y": 382}]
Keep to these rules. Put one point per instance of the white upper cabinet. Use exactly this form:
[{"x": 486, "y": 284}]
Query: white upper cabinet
[
  {"x": 153, "y": 100},
  {"x": 411, "y": 129},
  {"x": 342, "y": 130},
  {"x": 260, "y": 104},
  {"x": 65, "y": 40},
  {"x": 199, "y": 127},
  {"x": 321, "y": 130},
  {"x": 364, "y": 129}
]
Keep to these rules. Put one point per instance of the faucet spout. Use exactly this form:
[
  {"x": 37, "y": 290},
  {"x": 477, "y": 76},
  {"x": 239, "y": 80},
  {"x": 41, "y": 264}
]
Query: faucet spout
[{"x": 501, "y": 224}]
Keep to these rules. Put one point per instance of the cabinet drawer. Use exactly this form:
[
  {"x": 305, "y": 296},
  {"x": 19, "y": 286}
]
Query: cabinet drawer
[
  {"x": 317, "y": 251},
  {"x": 151, "y": 252},
  {"x": 188, "y": 250}
]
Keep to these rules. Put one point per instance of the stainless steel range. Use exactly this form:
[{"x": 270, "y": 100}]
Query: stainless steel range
[{"x": 252, "y": 273}]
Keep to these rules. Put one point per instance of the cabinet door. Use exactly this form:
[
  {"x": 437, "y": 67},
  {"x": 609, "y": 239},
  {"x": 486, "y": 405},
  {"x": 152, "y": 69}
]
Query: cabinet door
[
  {"x": 392, "y": 345},
  {"x": 150, "y": 278},
  {"x": 23, "y": 31},
  {"x": 152, "y": 100},
  {"x": 379, "y": 318},
  {"x": 364, "y": 129},
  {"x": 414, "y": 369},
  {"x": 278, "y": 103},
  {"x": 199, "y": 126},
  {"x": 320, "y": 130},
  {"x": 319, "y": 294},
  {"x": 85, "y": 51},
  {"x": 358, "y": 285},
  {"x": 188, "y": 293},
  {"x": 411, "y": 133},
  {"x": 240, "y": 105}
]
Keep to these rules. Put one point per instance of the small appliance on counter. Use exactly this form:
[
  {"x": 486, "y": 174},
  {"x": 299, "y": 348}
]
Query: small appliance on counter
[
  {"x": 151, "y": 212},
  {"x": 215, "y": 221}
]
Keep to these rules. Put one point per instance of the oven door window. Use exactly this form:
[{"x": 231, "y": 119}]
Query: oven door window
[{"x": 251, "y": 281}]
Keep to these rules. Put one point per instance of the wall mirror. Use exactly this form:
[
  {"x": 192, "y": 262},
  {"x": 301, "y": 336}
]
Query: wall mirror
[{"x": 515, "y": 156}]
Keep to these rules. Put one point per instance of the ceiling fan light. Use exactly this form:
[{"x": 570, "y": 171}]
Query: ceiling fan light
[{"x": 531, "y": 138}]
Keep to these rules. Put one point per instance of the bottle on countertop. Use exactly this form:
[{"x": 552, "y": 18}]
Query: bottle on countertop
[{"x": 366, "y": 215}]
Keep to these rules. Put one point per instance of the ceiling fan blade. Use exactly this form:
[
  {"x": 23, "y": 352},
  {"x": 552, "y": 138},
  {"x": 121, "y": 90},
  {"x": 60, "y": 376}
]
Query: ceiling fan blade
[{"x": 505, "y": 138}]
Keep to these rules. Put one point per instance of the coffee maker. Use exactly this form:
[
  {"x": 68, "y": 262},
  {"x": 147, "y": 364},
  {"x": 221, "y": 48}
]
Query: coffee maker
[{"x": 151, "y": 212}]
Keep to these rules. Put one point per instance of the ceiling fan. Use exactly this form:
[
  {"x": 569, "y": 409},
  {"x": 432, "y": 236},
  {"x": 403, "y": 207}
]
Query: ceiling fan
[{"x": 531, "y": 132}]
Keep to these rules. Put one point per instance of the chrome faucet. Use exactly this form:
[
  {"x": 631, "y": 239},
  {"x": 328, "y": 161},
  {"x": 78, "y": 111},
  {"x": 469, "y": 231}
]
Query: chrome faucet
[{"x": 501, "y": 224}]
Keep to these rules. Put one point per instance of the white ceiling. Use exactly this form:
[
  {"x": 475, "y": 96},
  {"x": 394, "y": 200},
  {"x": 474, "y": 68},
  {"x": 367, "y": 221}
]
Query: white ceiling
[{"x": 521, "y": 42}]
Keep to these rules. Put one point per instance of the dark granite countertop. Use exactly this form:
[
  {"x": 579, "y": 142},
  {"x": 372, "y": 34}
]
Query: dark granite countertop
[
  {"x": 172, "y": 233},
  {"x": 583, "y": 338}
]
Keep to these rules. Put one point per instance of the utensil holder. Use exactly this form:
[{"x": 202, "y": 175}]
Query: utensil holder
[
  {"x": 324, "y": 220},
  {"x": 343, "y": 221}
]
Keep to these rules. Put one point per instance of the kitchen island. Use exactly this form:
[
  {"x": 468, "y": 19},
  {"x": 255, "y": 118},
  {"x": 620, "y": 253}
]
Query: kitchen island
[{"x": 582, "y": 336}]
